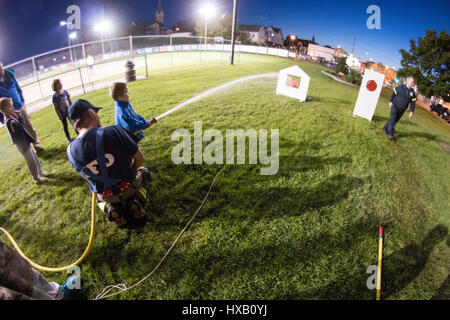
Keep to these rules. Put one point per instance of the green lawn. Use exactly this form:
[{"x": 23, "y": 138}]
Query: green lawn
[{"x": 309, "y": 232}]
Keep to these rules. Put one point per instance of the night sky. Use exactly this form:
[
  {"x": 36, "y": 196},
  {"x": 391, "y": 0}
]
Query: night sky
[{"x": 29, "y": 27}]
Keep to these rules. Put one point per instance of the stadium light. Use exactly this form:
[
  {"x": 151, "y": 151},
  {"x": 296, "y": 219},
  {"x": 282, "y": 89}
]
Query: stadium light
[
  {"x": 64, "y": 24},
  {"x": 73, "y": 35},
  {"x": 208, "y": 11},
  {"x": 102, "y": 27}
]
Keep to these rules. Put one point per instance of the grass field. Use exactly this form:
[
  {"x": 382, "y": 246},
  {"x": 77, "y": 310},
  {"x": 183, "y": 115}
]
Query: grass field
[{"x": 309, "y": 232}]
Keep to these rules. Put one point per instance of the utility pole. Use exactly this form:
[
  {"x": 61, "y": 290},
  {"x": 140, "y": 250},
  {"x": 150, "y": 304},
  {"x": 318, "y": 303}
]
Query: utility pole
[
  {"x": 354, "y": 40},
  {"x": 233, "y": 31}
]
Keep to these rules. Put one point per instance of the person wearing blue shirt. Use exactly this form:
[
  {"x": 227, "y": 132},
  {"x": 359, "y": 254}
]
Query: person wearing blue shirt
[
  {"x": 125, "y": 116},
  {"x": 10, "y": 88},
  {"x": 110, "y": 160}
]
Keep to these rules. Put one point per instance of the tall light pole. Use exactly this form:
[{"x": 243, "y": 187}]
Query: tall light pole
[
  {"x": 103, "y": 27},
  {"x": 64, "y": 24},
  {"x": 72, "y": 36},
  {"x": 207, "y": 11},
  {"x": 233, "y": 31}
]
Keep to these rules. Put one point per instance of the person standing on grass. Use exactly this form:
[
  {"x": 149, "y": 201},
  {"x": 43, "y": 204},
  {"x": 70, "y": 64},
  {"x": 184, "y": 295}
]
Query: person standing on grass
[
  {"x": 61, "y": 101},
  {"x": 90, "y": 64},
  {"x": 402, "y": 96},
  {"x": 15, "y": 125},
  {"x": 10, "y": 88}
]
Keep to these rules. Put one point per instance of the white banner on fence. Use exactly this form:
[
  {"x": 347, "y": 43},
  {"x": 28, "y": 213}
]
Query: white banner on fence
[
  {"x": 272, "y": 51},
  {"x": 369, "y": 93},
  {"x": 262, "y": 50},
  {"x": 283, "y": 53}
]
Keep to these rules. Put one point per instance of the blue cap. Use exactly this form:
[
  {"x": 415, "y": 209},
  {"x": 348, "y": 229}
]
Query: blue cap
[{"x": 78, "y": 107}]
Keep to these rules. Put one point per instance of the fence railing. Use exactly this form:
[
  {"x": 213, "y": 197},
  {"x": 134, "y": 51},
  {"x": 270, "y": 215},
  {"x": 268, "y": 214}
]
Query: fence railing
[{"x": 36, "y": 74}]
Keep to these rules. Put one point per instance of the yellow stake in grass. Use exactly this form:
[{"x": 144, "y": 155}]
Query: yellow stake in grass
[{"x": 380, "y": 257}]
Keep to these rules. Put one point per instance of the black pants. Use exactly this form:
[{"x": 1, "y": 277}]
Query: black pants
[{"x": 396, "y": 114}]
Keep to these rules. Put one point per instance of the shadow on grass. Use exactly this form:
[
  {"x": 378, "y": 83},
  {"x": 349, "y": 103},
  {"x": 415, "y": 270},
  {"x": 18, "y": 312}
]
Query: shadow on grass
[
  {"x": 421, "y": 135},
  {"x": 278, "y": 201},
  {"x": 212, "y": 261},
  {"x": 403, "y": 266},
  {"x": 444, "y": 291},
  {"x": 399, "y": 270},
  {"x": 69, "y": 180},
  {"x": 54, "y": 153},
  {"x": 384, "y": 120}
]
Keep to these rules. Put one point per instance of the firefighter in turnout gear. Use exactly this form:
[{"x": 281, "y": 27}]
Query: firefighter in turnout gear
[{"x": 402, "y": 96}]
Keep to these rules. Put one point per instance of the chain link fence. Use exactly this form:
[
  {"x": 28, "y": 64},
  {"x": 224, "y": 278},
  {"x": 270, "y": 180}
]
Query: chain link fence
[{"x": 149, "y": 53}]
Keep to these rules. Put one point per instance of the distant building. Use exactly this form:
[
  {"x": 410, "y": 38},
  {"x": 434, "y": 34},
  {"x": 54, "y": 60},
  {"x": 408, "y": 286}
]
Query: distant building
[
  {"x": 257, "y": 33},
  {"x": 339, "y": 53},
  {"x": 316, "y": 52},
  {"x": 156, "y": 27},
  {"x": 303, "y": 46},
  {"x": 353, "y": 62},
  {"x": 274, "y": 37}
]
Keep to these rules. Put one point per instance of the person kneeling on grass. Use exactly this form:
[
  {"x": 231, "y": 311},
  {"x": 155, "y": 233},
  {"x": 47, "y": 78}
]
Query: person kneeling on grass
[
  {"x": 61, "y": 101},
  {"x": 15, "y": 125},
  {"x": 110, "y": 160},
  {"x": 125, "y": 115}
]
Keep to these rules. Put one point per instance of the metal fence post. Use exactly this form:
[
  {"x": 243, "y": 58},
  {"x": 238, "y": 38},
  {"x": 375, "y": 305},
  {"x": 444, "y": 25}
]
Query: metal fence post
[
  {"x": 131, "y": 46},
  {"x": 84, "y": 53},
  {"x": 146, "y": 66},
  {"x": 37, "y": 77},
  {"x": 82, "y": 83},
  {"x": 171, "y": 52}
]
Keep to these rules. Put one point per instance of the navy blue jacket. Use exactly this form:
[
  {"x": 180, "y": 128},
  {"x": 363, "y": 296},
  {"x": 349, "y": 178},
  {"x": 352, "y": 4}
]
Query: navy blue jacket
[
  {"x": 402, "y": 97},
  {"x": 15, "y": 125}
]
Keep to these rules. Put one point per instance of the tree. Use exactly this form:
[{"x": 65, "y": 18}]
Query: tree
[
  {"x": 244, "y": 38},
  {"x": 220, "y": 28},
  {"x": 184, "y": 26},
  {"x": 428, "y": 62},
  {"x": 341, "y": 65}
]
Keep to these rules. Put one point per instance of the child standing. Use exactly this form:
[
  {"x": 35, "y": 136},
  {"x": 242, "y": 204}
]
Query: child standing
[
  {"x": 61, "y": 101},
  {"x": 15, "y": 126},
  {"x": 125, "y": 115}
]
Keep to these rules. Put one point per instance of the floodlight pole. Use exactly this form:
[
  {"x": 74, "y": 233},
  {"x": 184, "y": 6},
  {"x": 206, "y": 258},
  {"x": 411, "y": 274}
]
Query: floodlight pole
[
  {"x": 233, "y": 31},
  {"x": 103, "y": 45},
  {"x": 206, "y": 30}
]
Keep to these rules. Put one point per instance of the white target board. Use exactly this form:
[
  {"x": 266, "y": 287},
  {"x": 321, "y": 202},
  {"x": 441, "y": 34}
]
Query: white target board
[
  {"x": 369, "y": 93},
  {"x": 293, "y": 82}
]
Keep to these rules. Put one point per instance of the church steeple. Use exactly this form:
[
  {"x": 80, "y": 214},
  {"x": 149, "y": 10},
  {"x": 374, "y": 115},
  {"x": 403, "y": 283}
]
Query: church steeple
[{"x": 159, "y": 13}]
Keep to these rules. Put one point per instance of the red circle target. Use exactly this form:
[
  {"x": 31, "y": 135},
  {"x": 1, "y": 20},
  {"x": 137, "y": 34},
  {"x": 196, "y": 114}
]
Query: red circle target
[{"x": 371, "y": 85}]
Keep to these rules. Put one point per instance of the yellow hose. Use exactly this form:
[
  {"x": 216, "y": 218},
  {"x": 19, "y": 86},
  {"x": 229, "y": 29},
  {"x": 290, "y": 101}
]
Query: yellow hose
[{"x": 86, "y": 251}]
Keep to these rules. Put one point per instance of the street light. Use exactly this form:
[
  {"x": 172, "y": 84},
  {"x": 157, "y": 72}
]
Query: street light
[
  {"x": 207, "y": 11},
  {"x": 103, "y": 27}
]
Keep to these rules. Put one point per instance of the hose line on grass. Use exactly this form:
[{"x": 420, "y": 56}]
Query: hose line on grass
[{"x": 60, "y": 269}]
